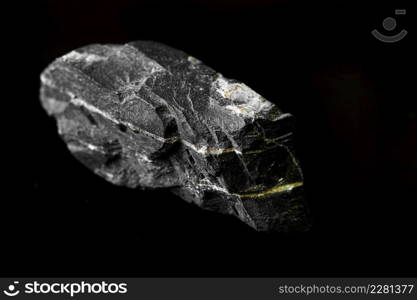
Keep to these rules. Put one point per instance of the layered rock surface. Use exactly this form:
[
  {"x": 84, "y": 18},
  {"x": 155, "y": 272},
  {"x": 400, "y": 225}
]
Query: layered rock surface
[{"x": 145, "y": 115}]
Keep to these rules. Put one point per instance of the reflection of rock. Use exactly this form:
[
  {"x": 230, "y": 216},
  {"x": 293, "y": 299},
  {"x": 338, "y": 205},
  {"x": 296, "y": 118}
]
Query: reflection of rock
[{"x": 149, "y": 116}]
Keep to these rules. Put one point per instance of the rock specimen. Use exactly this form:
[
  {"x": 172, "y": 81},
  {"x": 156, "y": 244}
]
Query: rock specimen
[{"x": 144, "y": 115}]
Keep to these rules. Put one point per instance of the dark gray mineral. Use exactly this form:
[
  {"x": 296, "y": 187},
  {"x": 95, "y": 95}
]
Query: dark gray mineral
[{"x": 144, "y": 115}]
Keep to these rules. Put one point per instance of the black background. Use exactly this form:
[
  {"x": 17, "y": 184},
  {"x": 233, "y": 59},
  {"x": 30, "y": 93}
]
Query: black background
[{"x": 354, "y": 99}]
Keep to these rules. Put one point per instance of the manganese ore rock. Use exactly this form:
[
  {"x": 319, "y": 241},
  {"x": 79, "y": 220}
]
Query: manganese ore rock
[{"x": 145, "y": 115}]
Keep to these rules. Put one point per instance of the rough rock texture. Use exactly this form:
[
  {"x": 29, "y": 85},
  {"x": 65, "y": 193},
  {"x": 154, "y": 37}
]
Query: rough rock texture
[{"x": 145, "y": 115}]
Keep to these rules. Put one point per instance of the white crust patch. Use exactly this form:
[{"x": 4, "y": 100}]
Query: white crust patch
[
  {"x": 245, "y": 101},
  {"x": 87, "y": 57}
]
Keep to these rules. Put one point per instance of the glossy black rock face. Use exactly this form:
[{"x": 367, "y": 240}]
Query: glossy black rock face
[{"x": 144, "y": 115}]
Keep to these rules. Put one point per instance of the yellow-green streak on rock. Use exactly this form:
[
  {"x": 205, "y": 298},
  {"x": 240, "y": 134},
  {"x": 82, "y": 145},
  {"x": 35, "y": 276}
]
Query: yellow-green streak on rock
[{"x": 274, "y": 190}]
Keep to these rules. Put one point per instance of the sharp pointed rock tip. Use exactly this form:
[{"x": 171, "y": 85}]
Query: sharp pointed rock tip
[{"x": 145, "y": 115}]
